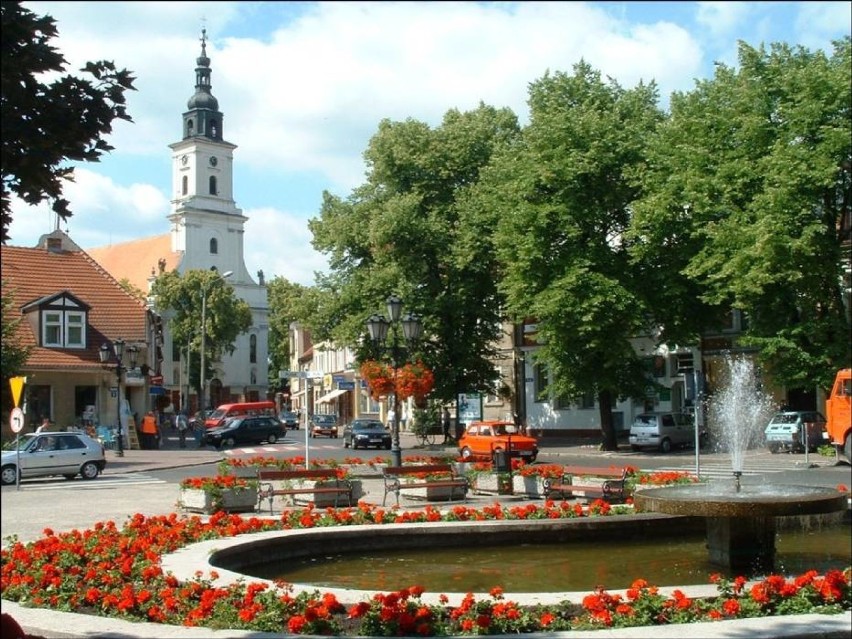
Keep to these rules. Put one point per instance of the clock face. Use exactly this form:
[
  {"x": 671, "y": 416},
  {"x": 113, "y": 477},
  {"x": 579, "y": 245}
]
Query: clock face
[
  {"x": 213, "y": 161},
  {"x": 184, "y": 159}
]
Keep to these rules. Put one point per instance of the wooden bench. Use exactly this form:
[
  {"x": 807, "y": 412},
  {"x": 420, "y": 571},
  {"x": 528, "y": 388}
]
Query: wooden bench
[
  {"x": 604, "y": 483},
  {"x": 267, "y": 490},
  {"x": 399, "y": 477}
]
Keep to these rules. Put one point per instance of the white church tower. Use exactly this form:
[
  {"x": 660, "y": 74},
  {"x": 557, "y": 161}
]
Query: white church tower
[{"x": 207, "y": 228}]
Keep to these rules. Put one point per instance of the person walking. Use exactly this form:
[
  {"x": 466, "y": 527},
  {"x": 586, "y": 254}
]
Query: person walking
[
  {"x": 445, "y": 424},
  {"x": 182, "y": 425},
  {"x": 149, "y": 431}
]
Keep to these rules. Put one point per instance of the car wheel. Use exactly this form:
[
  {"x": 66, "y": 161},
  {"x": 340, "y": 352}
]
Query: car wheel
[
  {"x": 8, "y": 475},
  {"x": 89, "y": 470},
  {"x": 228, "y": 442},
  {"x": 272, "y": 439},
  {"x": 666, "y": 445},
  {"x": 466, "y": 453}
]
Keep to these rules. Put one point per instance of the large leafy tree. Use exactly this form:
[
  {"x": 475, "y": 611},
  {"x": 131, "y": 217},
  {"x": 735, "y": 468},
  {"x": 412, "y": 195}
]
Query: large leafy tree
[
  {"x": 46, "y": 124},
  {"x": 404, "y": 232},
  {"x": 748, "y": 200},
  {"x": 179, "y": 299},
  {"x": 562, "y": 197},
  {"x": 286, "y": 302}
]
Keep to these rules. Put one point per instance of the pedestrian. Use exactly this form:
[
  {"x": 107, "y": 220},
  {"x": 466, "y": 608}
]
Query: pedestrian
[
  {"x": 149, "y": 431},
  {"x": 445, "y": 424},
  {"x": 182, "y": 425},
  {"x": 45, "y": 425},
  {"x": 391, "y": 418}
]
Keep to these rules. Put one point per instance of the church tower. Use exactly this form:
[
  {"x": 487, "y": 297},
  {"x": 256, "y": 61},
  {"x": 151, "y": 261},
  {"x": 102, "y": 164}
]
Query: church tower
[{"x": 207, "y": 231}]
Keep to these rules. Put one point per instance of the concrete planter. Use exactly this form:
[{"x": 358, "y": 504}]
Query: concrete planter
[
  {"x": 438, "y": 493},
  {"x": 325, "y": 500},
  {"x": 492, "y": 484},
  {"x": 532, "y": 486},
  {"x": 233, "y": 501}
]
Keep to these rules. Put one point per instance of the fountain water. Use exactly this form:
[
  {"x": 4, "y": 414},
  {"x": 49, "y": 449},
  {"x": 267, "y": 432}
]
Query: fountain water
[{"x": 740, "y": 519}]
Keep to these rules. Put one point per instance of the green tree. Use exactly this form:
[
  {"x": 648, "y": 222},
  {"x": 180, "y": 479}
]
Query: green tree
[
  {"x": 179, "y": 299},
  {"x": 47, "y": 124},
  {"x": 13, "y": 354},
  {"x": 747, "y": 192},
  {"x": 286, "y": 301},
  {"x": 562, "y": 198},
  {"x": 404, "y": 232}
]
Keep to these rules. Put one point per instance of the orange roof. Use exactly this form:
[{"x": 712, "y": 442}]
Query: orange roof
[
  {"x": 29, "y": 274},
  {"x": 137, "y": 260}
]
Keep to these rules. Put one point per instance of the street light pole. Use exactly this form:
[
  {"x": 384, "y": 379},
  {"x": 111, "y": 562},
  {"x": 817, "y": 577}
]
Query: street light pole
[
  {"x": 412, "y": 328},
  {"x": 105, "y": 356},
  {"x": 203, "y": 382}
]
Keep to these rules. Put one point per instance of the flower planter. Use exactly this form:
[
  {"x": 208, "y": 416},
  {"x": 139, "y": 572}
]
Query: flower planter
[
  {"x": 437, "y": 493},
  {"x": 326, "y": 500},
  {"x": 532, "y": 486},
  {"x": 231, "y": 500},
  {"x": 492, "y": 484}
]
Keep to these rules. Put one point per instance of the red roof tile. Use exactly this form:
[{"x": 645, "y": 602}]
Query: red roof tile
[
  {"x": 137, "y": 260},
  {"x": 32, "y": 273}
]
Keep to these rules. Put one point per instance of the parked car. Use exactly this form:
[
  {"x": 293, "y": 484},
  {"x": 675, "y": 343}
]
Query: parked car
[
  {"x": 289, "y": 419},
  {"x": 324, "y": 425},
  {"x": 364, "y": 433},
  {"x": 245, "y": 430},
  {"x": 786, "y": 431},
  {"x": 53, "y": 453},
  {"x": 664, "y": 431},
  {"x": 482, "y": 439}
]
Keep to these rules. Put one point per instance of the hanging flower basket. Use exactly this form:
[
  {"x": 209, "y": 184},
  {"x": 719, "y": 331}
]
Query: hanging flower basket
[{"x": 411, "y": 380}]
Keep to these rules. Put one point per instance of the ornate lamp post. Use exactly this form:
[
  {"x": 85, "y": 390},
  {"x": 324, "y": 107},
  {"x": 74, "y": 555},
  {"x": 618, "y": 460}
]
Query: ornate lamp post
[
  {"x": 106, "y": 355},
  {"x": 378, "y": 328},
  {"x": 203, "y": 382}
]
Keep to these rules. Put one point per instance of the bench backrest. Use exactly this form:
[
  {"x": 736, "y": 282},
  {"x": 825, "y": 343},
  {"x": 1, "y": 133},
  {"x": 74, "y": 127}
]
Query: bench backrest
[
  {"x": 427, "y": 469},
  {"x": 594, "y": 472},
  {"x": 315, "y": 473}
]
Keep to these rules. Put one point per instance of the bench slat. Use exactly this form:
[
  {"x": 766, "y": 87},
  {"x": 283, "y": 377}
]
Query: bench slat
[
  {"x": 613, "y": 485},
  {"x": 268, "y": 491},
  {"x": 393, "y": 475}
]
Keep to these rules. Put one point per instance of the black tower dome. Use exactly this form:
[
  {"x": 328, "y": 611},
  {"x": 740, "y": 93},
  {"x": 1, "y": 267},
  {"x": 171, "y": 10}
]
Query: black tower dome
[{"x": 203, "y": 119}]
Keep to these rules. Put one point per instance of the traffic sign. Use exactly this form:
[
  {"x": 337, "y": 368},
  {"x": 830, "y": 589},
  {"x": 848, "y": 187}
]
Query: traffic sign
[
  {"x": 17, "y": 384},
  {"x": 16, "y": 421},
  {"x": 300, "y": 374}
]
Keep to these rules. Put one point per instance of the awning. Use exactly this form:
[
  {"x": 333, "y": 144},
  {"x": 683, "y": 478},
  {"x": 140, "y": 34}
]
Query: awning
[{"x": 325, "y": 399}]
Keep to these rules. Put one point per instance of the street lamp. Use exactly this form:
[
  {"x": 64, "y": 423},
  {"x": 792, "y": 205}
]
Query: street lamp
[
  {"x": 203, "y": 407},
  {"x": 106, "y": 355},
  {"x": 378, "y": 328}
]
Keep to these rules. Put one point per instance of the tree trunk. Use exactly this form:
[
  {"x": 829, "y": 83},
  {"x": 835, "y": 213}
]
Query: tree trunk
[{"x": 609, "y": 441}]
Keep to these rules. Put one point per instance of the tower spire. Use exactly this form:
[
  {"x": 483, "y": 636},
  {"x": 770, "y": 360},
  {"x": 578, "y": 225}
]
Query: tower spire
[{"x": 203, "y": 118}]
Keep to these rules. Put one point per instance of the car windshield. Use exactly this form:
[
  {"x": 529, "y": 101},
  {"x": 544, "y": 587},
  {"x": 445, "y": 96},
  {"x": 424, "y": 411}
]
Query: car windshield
[
  {"x": 26, "y": 440},
  {"x": 324, "y": 419},
  {"x": 368, "y": 426},
  {"x": 785, "y": 418},
  {"x": 504, "y": 429}
]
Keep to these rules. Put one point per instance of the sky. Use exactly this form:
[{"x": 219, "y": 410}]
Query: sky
[{"x": 303, "y": 87}]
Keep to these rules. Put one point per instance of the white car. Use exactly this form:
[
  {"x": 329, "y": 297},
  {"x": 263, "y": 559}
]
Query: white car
[{"x": 53, "y": 453}]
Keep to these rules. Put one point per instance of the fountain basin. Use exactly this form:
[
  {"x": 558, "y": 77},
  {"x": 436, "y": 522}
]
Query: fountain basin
[
  {"x": 740, "y": 519},
  {"x": 721, "y": 500}
]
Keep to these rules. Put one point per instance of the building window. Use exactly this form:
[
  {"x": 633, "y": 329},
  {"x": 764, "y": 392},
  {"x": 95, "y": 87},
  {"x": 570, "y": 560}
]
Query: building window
[
  {"x": 214, "y": 246},
  {"x": 63, "y": 329},
  {"x": 253, "y": 349},
  {"x": 190, "y": 127},
  {"x": 587, "y": 401},
  {"x": 213, "y": 185},
  {"x": 184, "y": 185},
  {"x": 176, "y": 351}
]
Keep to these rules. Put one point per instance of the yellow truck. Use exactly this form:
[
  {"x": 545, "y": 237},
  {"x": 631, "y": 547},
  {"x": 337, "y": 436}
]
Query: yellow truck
[{"x": 839, "y": 415}]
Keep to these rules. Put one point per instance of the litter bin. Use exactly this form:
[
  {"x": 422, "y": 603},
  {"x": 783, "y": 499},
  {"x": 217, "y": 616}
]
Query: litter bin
[{"x": 500, "y": 461}]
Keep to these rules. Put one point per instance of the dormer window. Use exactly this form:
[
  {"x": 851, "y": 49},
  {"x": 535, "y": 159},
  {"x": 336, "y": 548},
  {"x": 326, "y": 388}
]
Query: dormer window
[{"x": 62, "y": 320}]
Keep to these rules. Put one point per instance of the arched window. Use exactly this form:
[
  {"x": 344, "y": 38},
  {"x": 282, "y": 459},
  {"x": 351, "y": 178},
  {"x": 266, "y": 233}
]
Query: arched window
[
  {"x": 190, "y": 127},
  {"x": 213, "y": 185},
  {"x": 184, "y": 185},
  {"x": 253, "y": 349},
  {"x": 214, "y": 245},
  {"x": 213, "y": 129}
]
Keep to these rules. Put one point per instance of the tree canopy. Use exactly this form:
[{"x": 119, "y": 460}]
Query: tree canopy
[{"x": 47, "y": 124}]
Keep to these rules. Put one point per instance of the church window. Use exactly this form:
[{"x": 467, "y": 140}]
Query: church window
[
  {"x": 213, "y": 129},
  {"x": 214, "y": 245},
  {"x": 213, "y": 185},
  {"x": 184, "y": 185},
  {"x": 253, "y": 349},
  {"x": 190, "y": 127}
]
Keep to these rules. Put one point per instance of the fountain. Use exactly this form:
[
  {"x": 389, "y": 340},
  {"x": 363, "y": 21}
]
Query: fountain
[{"x": 740, "y": 519}]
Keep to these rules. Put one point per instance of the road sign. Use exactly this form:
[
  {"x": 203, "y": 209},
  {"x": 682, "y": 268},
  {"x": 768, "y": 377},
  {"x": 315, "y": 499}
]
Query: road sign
[
  {"x": 17, "y": 384},
  {"x": 156, "y": 380},
  {"x": 16, "y": 421},
  {"x": 300, "y": 374}
]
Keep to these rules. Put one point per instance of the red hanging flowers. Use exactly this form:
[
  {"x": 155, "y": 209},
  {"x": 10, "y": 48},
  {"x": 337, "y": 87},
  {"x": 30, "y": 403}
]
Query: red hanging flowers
[{"x": 411, "y": 380}]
